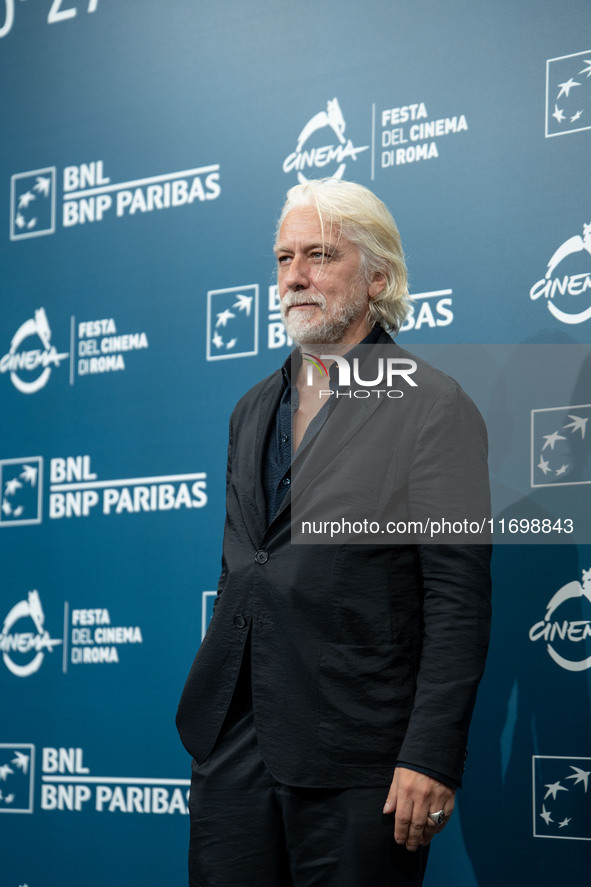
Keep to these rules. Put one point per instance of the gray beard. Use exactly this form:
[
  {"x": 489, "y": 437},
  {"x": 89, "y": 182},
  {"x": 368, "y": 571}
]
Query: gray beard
[{"x": 329, "y": 330}]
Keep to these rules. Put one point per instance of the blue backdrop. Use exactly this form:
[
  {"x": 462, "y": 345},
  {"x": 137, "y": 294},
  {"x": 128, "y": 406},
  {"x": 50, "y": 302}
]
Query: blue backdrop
[{"x": 146, "y": 150}]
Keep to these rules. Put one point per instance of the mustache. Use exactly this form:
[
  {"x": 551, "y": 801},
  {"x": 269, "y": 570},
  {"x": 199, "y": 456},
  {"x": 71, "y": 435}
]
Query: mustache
[{"x": 292, "y": 299}]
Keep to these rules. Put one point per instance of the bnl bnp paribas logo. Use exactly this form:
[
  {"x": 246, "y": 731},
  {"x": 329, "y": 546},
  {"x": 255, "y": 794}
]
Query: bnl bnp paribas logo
[
  {"x": 21, "y": 491},
  {"x": 568, "y": 94},
  {"x": 17, "y": 775},
  {"x": 67, "y": 785},
  {"x": 232, "y": 322},
  {"x": 75, "y": 491},
  {"x": 90, "y": 196},
  {"x": 561, "y": 446},
  {"x": 32, "y": 203},
  {"x": 561, "y": 797},
  {"x": 322, "y": 148}
]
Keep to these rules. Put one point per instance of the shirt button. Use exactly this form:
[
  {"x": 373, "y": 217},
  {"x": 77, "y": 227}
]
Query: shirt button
[
  {"x": 284, "y": 438},
  {"x": 239, "y": 621},
  {"x": 261, "y": 557},
  {"x": 286, "y": 481}
]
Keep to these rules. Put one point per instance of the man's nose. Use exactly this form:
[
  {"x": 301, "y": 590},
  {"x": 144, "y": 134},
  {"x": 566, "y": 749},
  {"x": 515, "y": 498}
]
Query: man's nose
[{"x": 297, "y": 274}]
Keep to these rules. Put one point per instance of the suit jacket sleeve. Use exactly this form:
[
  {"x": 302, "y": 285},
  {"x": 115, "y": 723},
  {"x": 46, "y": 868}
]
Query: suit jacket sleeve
[{"x": 449, "y": 481}]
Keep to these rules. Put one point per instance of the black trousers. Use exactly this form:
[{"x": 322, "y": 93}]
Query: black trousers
[{"x": 248, "y": 830}]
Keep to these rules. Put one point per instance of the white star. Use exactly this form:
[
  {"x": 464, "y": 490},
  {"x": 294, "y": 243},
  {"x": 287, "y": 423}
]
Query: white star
[
  {"x": 561, "y": 470},
  {"x": 217, "y": 340},
  {"x": 551, "y": 439},
  {"x": 546, "y": 816},
  {"x": 29, "y": 473},
  {"x": 580, "y": 776},
  {"x": 558, "y": 114},
  {"x": 42, "y": 186},
  {"x": 575, "y": 116},
  {"x": 544, "y": 465},
  {"x": 586, "y": 71},
  {"x": 20, "y": 221},
  {"x": 565, "y": 88},
  {"x": 231, "y": 343},
  {"x": 553, "y": 789},
  {"x": 12, "y": 486},
  {"x": 224, "y": 317},
  {"x": 243, "y": 303},
  {"x": 578, "y": 424},
  {"x": 25, "y": 199},
  {"x": 21, "y": 761},
  {"x": 564, "y": 822}
]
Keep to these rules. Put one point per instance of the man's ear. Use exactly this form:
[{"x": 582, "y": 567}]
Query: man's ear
[{"x": 377, "y": 284}]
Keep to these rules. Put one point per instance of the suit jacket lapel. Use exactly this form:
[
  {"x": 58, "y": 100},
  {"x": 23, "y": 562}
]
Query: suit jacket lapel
[{"x": 347, "y": 417}]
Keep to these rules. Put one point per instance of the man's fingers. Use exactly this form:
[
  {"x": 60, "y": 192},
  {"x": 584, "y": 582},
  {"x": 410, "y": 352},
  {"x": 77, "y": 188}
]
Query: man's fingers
[
  {"x": 405, "y": 829},
  {"x": 409, "y": 826},
  {"x": 390, "y": 805},
  {"x": 412, "y": 797}
]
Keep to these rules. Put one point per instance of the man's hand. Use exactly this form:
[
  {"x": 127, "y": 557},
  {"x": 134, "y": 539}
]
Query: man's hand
[{"x": 411, "y": 797}]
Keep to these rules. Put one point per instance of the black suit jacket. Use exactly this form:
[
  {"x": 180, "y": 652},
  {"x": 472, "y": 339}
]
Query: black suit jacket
[{"x": 364, "y": 650}]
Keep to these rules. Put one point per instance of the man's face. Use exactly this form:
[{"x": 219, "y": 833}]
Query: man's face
[{"x": 324, "y": 298}]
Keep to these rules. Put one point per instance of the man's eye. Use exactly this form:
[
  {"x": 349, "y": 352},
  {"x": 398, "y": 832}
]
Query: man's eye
[
  {"x": 321, "y": 256},
  {"x": 282, "y": 260}
]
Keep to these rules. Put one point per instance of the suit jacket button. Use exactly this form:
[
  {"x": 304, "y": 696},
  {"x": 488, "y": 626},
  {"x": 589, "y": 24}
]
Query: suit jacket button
[
  {"x": 261, "y": 557},
  {"x": 239, "y": 621}
]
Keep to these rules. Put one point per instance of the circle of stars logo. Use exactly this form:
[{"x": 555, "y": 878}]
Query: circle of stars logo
[{"x": 549, "y": 464}]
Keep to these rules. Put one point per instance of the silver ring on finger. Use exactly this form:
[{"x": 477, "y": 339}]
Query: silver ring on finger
[{"x": 437, "y": 818}]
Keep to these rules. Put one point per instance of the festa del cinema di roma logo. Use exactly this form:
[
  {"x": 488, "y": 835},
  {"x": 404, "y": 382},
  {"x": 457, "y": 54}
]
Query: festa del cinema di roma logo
[
  {"x": 23, "y": 651},
  {"x": 98, "y": 344},
  {"x": 29, "y": 365},
  {"x": 328, "y": 158},
  {"x": 564, "y": 292},
  {"x": 90, "y": 637},
  {"x": 562, "y": 635}
]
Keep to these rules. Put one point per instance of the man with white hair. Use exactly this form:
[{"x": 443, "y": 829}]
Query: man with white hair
[{"x": 328, "y": 706}]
